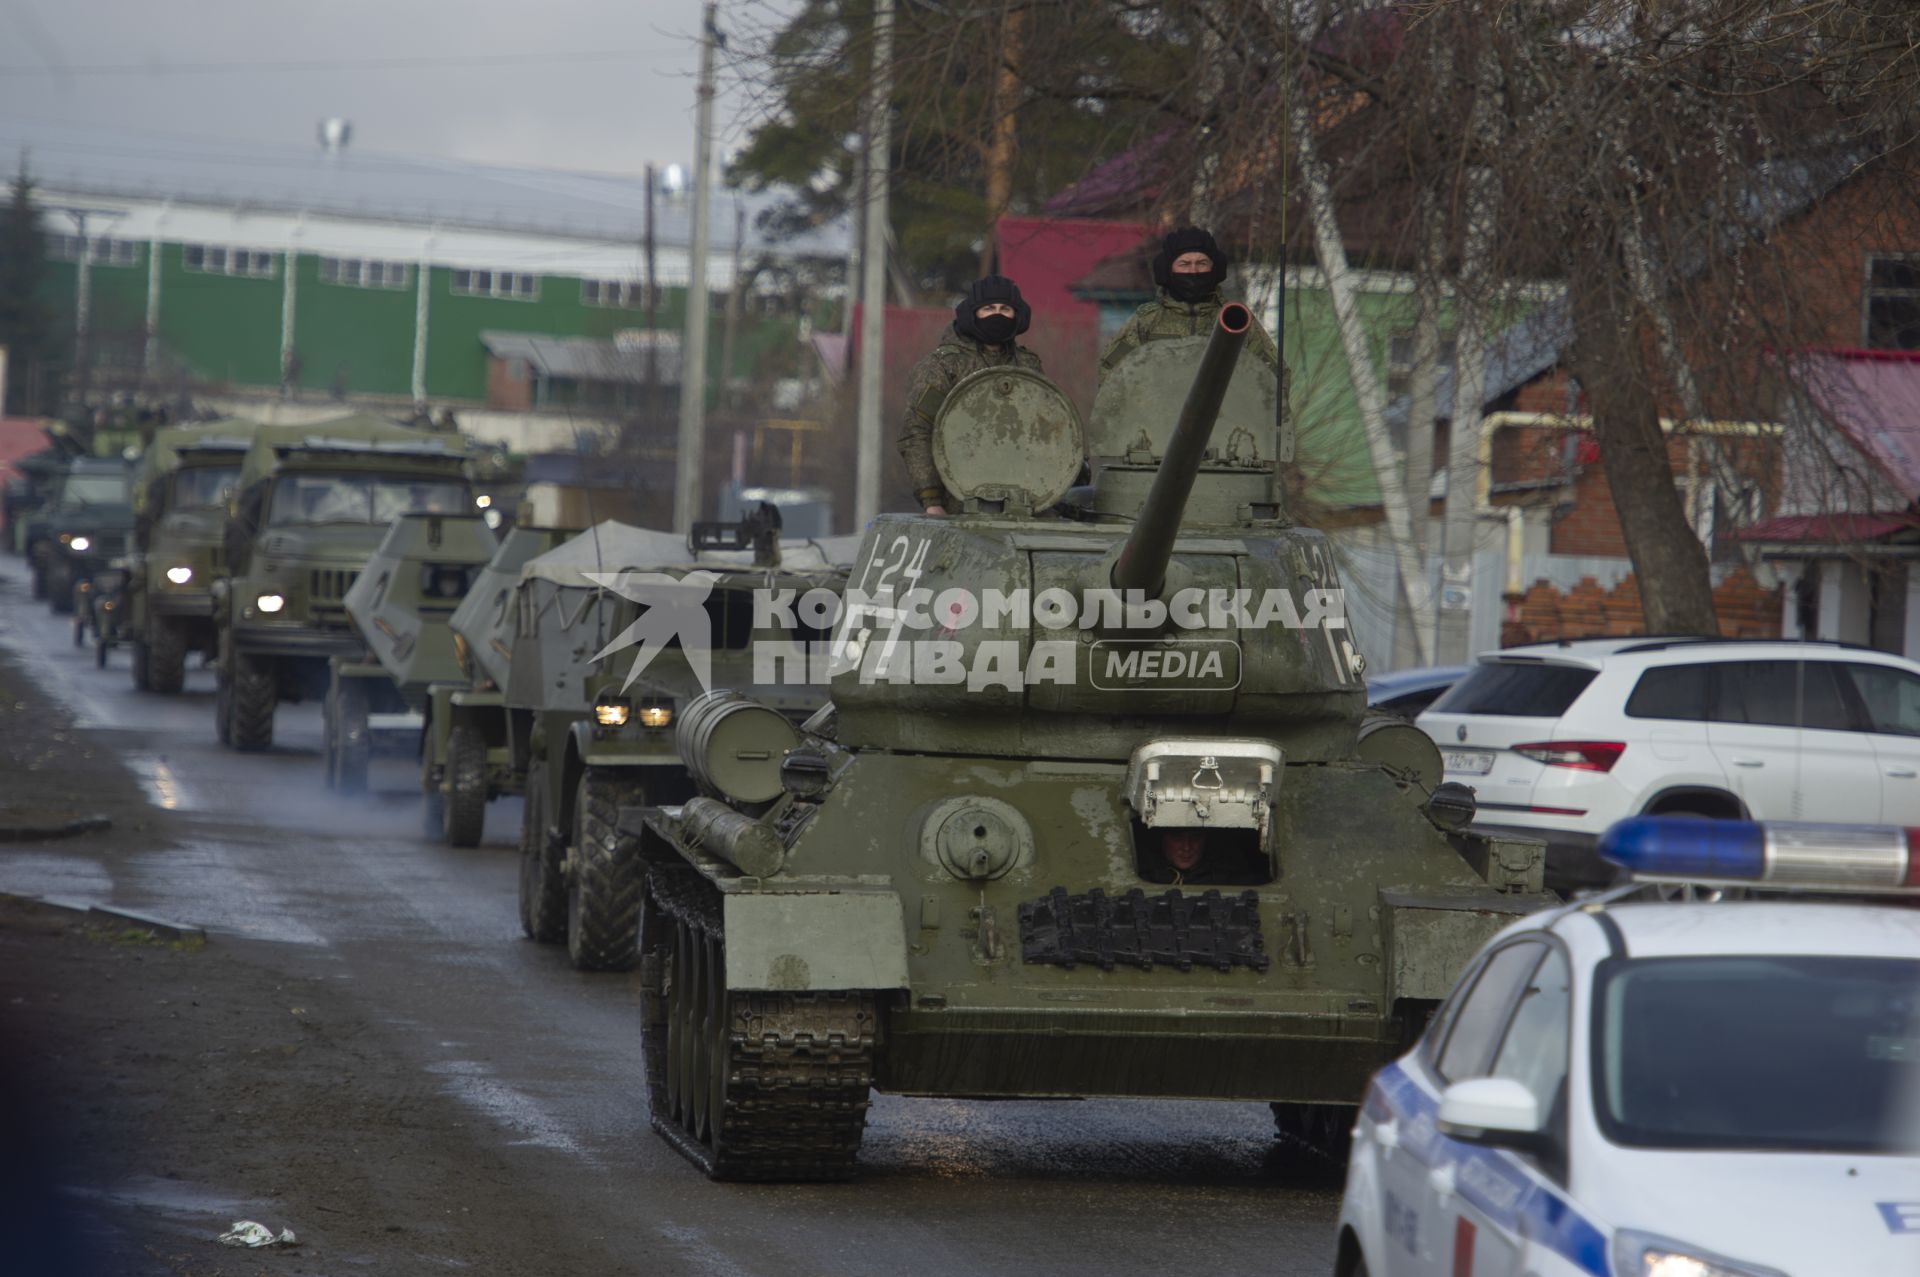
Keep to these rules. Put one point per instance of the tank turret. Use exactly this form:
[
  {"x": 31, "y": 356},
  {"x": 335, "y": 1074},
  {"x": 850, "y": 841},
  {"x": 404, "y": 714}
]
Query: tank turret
[{"x": 1142, "y": 562}]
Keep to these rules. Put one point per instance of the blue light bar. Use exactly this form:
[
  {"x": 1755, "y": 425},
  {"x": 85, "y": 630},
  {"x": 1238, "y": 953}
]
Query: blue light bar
[
  {"x": 1680, "y": 847},
  {"x": 1869, "y": 858}
]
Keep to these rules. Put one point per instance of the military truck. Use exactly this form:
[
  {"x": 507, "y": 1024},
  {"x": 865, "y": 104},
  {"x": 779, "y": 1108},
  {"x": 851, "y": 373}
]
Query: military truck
[
  {"x": 180, "y": 492},
  {"x": 311, "y": 505},
  {"x": 88, "y": 523},
  {"x": 1090, "y": 812},
  {"x": 467, "y": 745},
  {"x": 599, "y": 723},
  {"x": 399, "y": 604}
]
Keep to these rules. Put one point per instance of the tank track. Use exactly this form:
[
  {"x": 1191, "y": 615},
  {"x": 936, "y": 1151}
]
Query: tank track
[{"x": 796, "y": 1080}]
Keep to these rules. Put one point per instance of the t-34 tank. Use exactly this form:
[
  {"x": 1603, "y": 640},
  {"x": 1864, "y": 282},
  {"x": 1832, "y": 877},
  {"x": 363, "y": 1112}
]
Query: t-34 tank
[
  {"x": 468, "y": 747},
  {"x": 1089, "y": 813},
  {"x": 399, "y": 604}
]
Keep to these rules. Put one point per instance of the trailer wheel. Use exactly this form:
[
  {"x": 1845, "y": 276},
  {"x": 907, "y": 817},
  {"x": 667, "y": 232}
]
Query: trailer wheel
[{"x": 465, "y": 801}]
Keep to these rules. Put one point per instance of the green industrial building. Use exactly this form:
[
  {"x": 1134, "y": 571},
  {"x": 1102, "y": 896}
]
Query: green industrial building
[{"x": 319, "y": 271}]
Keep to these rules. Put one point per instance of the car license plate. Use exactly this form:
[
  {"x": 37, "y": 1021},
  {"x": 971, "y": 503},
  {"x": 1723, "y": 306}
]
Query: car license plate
[{"x": 1474, "y": 762}]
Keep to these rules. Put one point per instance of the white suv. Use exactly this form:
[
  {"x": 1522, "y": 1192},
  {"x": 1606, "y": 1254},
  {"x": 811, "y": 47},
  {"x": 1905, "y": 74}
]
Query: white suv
[{"x": 1559, "y": 740}]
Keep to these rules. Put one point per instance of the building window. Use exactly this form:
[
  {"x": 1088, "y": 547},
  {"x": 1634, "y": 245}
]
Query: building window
[
  {"x": 1893, "y": 301},
  {"x": 102, "y": 251},
  {"x": 496, "y": 283},
  {"x": 1400, "y": 362},
  {"x": 217, "y": 259},
  {"x": 363, "y": 272},
  {"x": 625, "y": 294}
]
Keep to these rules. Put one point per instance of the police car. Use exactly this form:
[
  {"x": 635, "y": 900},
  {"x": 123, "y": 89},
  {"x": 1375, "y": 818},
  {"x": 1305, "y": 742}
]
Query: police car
[{"x": 1697, "y": 1081}]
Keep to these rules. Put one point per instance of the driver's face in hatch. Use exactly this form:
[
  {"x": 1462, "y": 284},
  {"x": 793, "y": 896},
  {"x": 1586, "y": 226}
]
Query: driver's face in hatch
[{"x": 1183, "y": 847}]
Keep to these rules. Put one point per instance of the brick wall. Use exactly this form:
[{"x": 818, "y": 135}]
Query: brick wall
[{"x": 1545, "y": 613}]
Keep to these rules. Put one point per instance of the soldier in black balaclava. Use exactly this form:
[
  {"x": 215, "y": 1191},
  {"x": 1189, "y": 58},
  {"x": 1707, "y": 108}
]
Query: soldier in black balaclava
[
  {"x": 1189, "y": 269},
  {"x": 985, "y": 323}
]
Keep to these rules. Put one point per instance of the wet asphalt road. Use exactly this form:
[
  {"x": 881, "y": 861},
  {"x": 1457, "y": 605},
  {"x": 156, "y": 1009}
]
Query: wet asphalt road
[{"x": 426, "y": 941}]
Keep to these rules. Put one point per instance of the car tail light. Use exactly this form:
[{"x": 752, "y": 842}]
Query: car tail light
[{"x": 1581, "y": 755}]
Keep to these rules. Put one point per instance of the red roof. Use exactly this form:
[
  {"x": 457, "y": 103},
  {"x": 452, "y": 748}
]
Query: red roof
[
  {"x": 1832, "y": 528},
  {"x": 1874, "y": 396},
  {"x": 1047, "y": 255}
]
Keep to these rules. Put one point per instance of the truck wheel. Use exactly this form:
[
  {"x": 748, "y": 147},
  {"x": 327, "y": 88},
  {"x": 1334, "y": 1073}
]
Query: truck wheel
[
  {"x": 223, "y": 705},
  {"x": 543, "y": 888},
  {"x": 39, "y": 580},
  {"x": 100, "y": 649},
  {"x": 603, "y": 891},
  {"x": 137, "y": 665},
  {"x": 60, "y": 593},
  {"x": 466, "y": 792},
  {"x": 252, "y": 697},
  {"x": 750, "y": 1086},
  {"x": 79, "y": 630},
  {"x": 1321, "y": 1131},
  {"x": 166, "y": 658},
  {"x": 350, "y": 738}
]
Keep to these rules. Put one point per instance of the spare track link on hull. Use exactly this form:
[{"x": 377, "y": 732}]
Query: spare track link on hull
[{"x": 791, "y": 1099}]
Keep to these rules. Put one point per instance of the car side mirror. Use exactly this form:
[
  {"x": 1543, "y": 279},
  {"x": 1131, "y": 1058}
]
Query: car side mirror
[{"x": 1494, "y": 1112}]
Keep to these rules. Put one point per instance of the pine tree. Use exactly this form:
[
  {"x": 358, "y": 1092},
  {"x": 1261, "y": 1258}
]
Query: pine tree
[{"x": 25, "y": 323}]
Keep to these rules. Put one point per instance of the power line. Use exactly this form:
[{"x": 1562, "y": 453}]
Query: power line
[{"x": 156, "y": 68}]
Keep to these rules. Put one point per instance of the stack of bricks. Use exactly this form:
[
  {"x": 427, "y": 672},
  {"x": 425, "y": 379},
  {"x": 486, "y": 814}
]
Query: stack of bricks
[{"x": 1545, "y": 614}]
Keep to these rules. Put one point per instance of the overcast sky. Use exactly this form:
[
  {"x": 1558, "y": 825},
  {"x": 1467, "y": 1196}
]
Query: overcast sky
[{"x": 631, "y": 102}]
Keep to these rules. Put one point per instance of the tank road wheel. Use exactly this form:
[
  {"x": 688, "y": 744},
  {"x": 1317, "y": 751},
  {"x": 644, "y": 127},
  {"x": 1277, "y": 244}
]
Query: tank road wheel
[
  {"x": 1323, "y": 1131},
  {"x": 252, "y": 697},
  {"x": 352, "y": 742},
  {"x": 750, "y": 1086},
  {"x": 465, "y": 802},
  {"x": 166, "y": 658},
  {"x": 543, "y": 888},
  {"x": 603, "y": 889}
]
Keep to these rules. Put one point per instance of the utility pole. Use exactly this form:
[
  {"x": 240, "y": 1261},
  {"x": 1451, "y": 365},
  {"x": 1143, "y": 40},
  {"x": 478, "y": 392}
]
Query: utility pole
[
  {"x": 730, "y": 328},
  {"x": 693, "y": 346},
  {"x": 866, "y": 492},
  {"x": 653, "y": 313}
]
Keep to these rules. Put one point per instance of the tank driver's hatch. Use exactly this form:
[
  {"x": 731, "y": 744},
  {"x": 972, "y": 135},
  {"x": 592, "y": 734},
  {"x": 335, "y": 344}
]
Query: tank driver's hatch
[{"x": 1008, "y": 441}]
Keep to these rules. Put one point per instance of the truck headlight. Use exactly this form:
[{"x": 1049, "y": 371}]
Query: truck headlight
[
  {"x": 80, "y": 545},
  {"x": 1645, "y": 1255},
  {"x": 612, "y": 713},
  {"x": 180, "y": 575},
  {"x": 270, "y": 603},
  {"x": 656, "y": 716}
]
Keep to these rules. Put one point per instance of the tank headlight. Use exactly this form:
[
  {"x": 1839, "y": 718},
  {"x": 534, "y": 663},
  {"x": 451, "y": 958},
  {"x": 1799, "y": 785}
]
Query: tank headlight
[
  {"x": 270, "y": 603},
  {"x": 612, "y": 713},
  {"x": 79, "y": 545},
  {"x": 656, "y": 715},
  {"x": 180, "y": 575}
]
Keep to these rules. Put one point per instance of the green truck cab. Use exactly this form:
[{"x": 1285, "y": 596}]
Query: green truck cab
[
  {"x": 88, "y": 526},
  {"x": 600, "y": 732},
  {"x": 311, "y": 505},
  {"x": 1090, "y": 813},
  {"x": 181, "y": 489},
  {"x": 400, "y": 606}
]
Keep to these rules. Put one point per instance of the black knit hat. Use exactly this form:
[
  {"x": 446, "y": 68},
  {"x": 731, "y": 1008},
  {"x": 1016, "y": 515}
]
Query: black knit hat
[
  {"x": 1188, "y": 239},
  {"x": 994, "y": 288}
]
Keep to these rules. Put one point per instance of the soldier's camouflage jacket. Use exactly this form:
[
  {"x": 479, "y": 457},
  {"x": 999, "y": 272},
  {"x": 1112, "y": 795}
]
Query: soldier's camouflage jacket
[
  {"x": 1167, "y": 317},
  {"x": 933, "y": 378}
]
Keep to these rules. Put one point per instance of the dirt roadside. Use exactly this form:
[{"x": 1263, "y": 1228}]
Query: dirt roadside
[{"x": 153, "y": 1091}]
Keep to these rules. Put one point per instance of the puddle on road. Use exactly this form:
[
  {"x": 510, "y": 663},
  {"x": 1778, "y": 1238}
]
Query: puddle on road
[
  {"x": 170, "y": 1197},
  {"x": 41, "y": 874},
  {"x": 162, "y": 783},
  {"x": 468, "y": 1081}
]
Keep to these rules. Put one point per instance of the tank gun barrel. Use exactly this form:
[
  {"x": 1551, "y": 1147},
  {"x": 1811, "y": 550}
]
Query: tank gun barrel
[{"x": 1142, "y": 564}]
